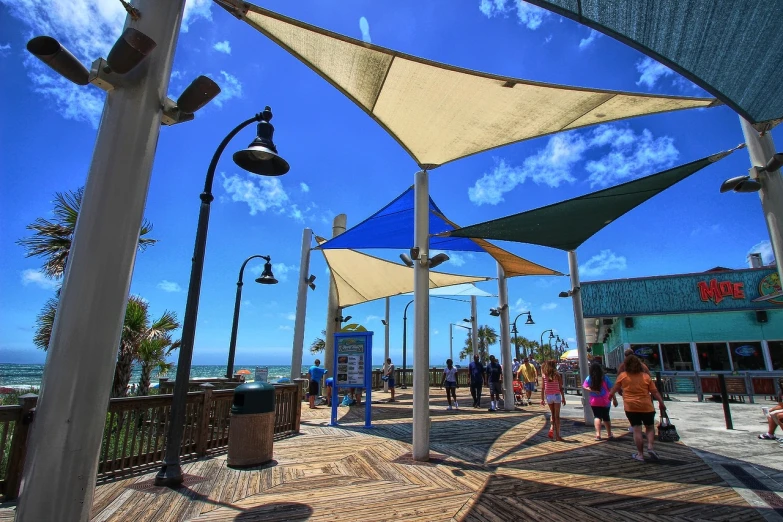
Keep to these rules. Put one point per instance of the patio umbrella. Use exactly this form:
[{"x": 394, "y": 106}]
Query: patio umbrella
[
  {"x": 244, "y": 372},
  {"x": 570, "y": 354}
]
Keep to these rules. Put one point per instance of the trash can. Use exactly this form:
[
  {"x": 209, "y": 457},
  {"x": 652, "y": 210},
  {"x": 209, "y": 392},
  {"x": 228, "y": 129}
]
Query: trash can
[{"x": 252, "y": 425}]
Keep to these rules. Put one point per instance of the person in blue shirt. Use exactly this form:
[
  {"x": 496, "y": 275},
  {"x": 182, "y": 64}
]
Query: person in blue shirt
[
  {"x": 476, "y": 370},
  {"x": 495, "y": 382},
  {"x": 316, "y": 374},
  {"x": 328, "y": 385}
]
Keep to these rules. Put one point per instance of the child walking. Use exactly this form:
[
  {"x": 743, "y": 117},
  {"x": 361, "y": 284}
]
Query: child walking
[
  {"x": 450, "y": 381},
  {"x": 552, "y": 394},
  {"x": 599, "y": 386}
]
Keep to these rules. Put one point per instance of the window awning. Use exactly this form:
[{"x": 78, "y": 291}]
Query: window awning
[
  {"x": 392, "y": 227},
  {"x": 568, "y": 224},
  {"x": 360, "y": 277},
  {"x": 728, "y": 48},
  {"x": 439, "y": 113}
]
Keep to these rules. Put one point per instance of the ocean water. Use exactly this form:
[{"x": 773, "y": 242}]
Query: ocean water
[{"x": 23, "y": 375}]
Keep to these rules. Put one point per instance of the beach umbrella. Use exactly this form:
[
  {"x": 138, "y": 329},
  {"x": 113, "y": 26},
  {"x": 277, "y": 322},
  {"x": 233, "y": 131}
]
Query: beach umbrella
[
  {"x": 570, "y": 354},
  {"x": 244, "y": 372}
]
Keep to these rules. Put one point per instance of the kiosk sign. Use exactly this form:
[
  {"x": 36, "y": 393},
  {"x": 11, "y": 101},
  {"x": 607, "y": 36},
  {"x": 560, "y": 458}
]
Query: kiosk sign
[{"x": 350, "y": 361}]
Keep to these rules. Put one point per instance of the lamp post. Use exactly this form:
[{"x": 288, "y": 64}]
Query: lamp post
[
  {"x": 405, "y": 344},
  {"x": 267, "y": 278},
  {"x": 451, "y": 337},
  {"x": 514, "y": 330},
  {"x": 551, "y": 336},
  {"x": 260, "y": 157}
]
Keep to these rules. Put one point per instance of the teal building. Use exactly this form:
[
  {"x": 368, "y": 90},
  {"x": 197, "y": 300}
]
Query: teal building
[{"x": 720, "y": 320}]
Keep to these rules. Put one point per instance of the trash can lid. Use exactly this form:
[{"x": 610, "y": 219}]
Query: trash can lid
[{"x": 254, "y": 387}]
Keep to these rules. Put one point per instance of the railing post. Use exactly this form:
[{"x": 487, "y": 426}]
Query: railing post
[
  {"x": 203, "y": 426},
  {"x": 18, "y": 450},
  {"x": 298, "y": 407},
  {"x": 724, "y": 395},
  {"x": 749, "y": 387}
]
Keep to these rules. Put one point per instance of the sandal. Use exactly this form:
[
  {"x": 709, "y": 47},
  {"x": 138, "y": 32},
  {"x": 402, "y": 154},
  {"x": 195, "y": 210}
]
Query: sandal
[
  {"x": 611, "y": 438},
  {"x": 551, "y": 433},
  {"x": 598, "y": 438},
  {"x": 638, "y": 457},
  {"x": 653, "y": 455},
  {"x": 766, "y": 436}
]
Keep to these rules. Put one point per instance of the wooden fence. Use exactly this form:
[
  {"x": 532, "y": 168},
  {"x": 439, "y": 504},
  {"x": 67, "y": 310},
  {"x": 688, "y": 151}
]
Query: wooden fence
[{"x": 135, "y": 430}]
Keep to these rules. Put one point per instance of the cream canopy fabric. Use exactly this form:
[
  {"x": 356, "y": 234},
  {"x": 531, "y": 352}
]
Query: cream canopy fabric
[
  {"x": 440, "y": 113},
  {"x": 360, "y": 278}
]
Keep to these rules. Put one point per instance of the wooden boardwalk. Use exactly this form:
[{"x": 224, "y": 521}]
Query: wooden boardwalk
[{"x": 485, "y": 467}]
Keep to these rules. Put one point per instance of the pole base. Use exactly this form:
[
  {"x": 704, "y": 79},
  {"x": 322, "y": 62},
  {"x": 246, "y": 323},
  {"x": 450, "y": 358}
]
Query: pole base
[{"x": 169, "y": 476}]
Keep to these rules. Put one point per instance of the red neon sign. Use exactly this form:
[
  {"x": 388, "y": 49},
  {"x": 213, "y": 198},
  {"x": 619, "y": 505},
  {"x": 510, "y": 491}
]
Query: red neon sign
[{"x": 717, "y": 291}]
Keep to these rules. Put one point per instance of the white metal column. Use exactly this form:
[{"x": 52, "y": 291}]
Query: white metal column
[
  {"x": 505, "y": 341},
  {"x": 301, "y": 306},
  {"x": 579, "y": 326},
  {"x": 474, "y": 324},
  {"x": 695, "y": 357},
  {"x": 767, "y": 357},
  {"x": 421, "y": 326},
  {"x": 332, "y": 310},
  {"x": 62, "y": 461},
  {"x": 386, "y": 345}
]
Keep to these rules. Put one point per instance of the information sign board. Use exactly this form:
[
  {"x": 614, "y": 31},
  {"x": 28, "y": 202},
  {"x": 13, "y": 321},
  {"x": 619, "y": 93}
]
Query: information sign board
[{"x": 352, "y": 367}]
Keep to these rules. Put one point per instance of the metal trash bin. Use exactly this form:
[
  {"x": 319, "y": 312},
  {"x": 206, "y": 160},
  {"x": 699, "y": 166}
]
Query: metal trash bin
[{"x": 252, "y": 425}]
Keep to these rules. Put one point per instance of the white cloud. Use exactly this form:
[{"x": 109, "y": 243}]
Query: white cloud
[
  {"x": 530, "y": 16},
  {"x": 295, "y": 213},
  {"x": 169, "y": 286},
  {"x": 290, "y": 316},
  {"x": 631, "y": 156},
  {"x": 584, "y": 43},
  {"x": 455, "y": 258},
  {"x": 765, "y": 249},
  {"x": 601, "y": 263},
  {"x": 548, "y": 39},
  {"x": 435, "y": 332},
  {"x": 281, "y": 271},
  {"x": 260, "y": 193},
  {"x": 195, "y": 9},
  {"x": 371, "y": 318},
  {"x": 570, "y": 340},
  {"x": 549, "y": 306},
  {"x": 247, "y": 302},
  {"x": 284, "y": 327},
  {"x": 304, "y": 187},
  {"x": 5, "y": 49},
  {"x": 364, "y": 27},
  {"x": 651, "y": 71},
  {"x": 38, "y": 278},
  {"x": 230, "y": 87},
  {"x": 223, "y": 47},
  {"x": 522, "y": 306}
]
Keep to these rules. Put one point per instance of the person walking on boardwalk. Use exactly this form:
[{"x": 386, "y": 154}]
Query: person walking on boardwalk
[
  {"x": 316, "y": 374},
  {"x": 389, "y": 373},
  {"x": 450, "y": 382},
  {"x": 599, "y": 386},
  {"x": 494, "y": 381},
  {"x": 527, "y": 374},
  {"x": 476, "y": 370},
  {"x": 637, "y": 387},
  {"x": 552, "y": 395}
]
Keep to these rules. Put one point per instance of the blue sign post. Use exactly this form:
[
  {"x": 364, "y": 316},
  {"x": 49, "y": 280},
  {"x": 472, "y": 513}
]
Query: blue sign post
[{"x": 352, "y": 369}]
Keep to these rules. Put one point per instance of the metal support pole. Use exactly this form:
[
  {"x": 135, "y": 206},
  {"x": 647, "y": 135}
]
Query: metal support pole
[
  {"x": 581, "y": 340},
  {"x": 421, "y": 325},
  {"x": 724, "y": 396},
  {"x": 505, "y": 342},
  {"x": 404, "y": 385},
  {"x": 301, "y": 307},
  {"x": 386, "y": 345},
  {"x": 760, "y": 149},
  {"x": 451, "y": 341},
  {"x": 474, "y": 324},
  {"x": 61, "y": 467},
  {"x": 232, "y": 345},
  {"x": 333, "y": 310}
]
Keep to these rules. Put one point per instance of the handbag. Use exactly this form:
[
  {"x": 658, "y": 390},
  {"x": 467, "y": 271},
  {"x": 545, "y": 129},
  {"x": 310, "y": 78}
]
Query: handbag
[
  {"x": 385, "y": 378},
  {"x": 667, "y": 432}
]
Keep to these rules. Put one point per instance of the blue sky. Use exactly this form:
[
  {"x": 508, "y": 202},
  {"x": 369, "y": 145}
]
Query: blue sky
[{"x": 343, "y": 162}]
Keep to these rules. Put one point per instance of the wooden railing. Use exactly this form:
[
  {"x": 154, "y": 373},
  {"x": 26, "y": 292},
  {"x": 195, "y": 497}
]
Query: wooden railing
[{"x": 135, "y": 430}]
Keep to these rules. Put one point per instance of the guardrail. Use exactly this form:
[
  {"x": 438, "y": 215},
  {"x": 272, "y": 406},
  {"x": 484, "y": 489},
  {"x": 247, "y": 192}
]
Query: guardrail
[{"x": 135, "y": 430}]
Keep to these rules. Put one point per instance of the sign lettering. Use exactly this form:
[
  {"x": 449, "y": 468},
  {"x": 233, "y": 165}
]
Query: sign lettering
[{"x": 716, "y": 292}]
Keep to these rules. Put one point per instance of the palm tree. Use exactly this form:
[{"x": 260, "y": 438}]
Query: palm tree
[
  {"x": 487, "y": 336},
  {"x": 45, "y": 321},
  {"x": 529, "y": 346},
  {"x": 135, "y": 331},
  {"x": 318, "y": 345},
  {"x": 51, "y": 240},
  {"x": 152, "y": 355}
]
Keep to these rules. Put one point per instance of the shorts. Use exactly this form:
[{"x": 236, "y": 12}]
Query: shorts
[
  {"x": 530, "y": 386},
  {"x": 390, "y": 382},
  {"x": 496, "y": 388},
  {"x": 555, "y": 398},
  {"x": 601, "y": 412},
  {"x": 313, "y": 388},
  {"x": 450, "y": 384},
  {"x": 638, "y": 418}
]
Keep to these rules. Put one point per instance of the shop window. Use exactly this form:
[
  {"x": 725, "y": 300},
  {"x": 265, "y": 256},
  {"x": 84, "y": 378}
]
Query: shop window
[
  {"x": 677, "y": 357},
  {"x": 747, "y": 356},
  {"x": 713, "y": 357},
  {"x": 776, "y": 354},
  {"x": 648, "y": 353}
]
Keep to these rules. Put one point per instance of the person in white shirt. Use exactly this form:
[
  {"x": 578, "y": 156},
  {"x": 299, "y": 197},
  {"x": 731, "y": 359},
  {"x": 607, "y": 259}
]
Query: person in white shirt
[{"x": 450, "y": 382}]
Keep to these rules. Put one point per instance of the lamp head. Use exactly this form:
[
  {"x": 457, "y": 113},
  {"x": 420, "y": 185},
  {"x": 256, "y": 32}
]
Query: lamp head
[
  {"x": 774, "y": 163},
  {"x": 564, "y": 294},
  {"x": 438, "y": 259},
  {"x": 129, "y": 50},
  {"x": 529, "y": 319},
  {"x": 467, "y": 320},
  {"x": 200, "y": 92},
  {"x": 260, "y": 157},
  {"x": 383, "y": 322},
  {"x": 346, "y": 318},
  {"x": 740, "y": 184},
  {"x": 267, "y": 278},
  {"x": 551, "y": 335},
  {"x": 494, "y": 312},
  {"x": 407, "y": 260},
  {"x": 53, "y": 54}
]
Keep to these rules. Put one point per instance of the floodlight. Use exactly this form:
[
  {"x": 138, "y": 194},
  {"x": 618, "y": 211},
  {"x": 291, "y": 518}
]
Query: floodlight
[
  {"x": 407, "y": 260},
  {"x": 494, "y": 312},
  {"x": 52, "y": 53},
  {"x": 129, "y": 50},
  {"x": 438, "y": 259},
  {"x": 200, "y": 92}
]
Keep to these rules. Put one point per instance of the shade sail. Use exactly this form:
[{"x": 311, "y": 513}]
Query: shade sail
[
  {"x": 568, "y": 224},
  {"x": 728, "y": 48},
  {"x": 464, "y": 290},
  {"x": 439, "y": 113},
  {"x": 360, "y": 278},
  {"x": 392, "y": 227}
]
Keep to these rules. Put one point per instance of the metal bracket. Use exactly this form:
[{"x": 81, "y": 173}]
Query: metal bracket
[
  {"x": 105, "y": 81},
  {"x": 172, "y": 115},
  {"x": 754, "y": 172}
]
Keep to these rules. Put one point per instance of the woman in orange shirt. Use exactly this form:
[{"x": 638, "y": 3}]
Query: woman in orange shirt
[{"x": 637, "y": 387}]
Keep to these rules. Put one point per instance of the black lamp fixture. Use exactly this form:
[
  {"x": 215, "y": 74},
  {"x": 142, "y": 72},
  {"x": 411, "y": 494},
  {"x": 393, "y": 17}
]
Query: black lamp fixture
[
  {"x": 341, "y": 319},
  {"x": 750, "y": 182},
  {"x": 467, "y": 320},
  {"x": 495, "y": 312},
  {"x": 310, "y": 283},
  {"x": 267, "y": 277},
  {"x": 129, "y": 50},
  {"x": 432, "y": 262},
  {"x": 383, "y": 322},
  {"x": 568, "y": 293},
  {"x": 260, "y": 157}
]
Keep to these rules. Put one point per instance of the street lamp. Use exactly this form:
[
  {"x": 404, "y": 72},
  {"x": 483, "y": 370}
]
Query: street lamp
[
  {"x": 750, "y": 182},
  {"x": 405, "y": 342},
  {"x": 551, "y": 336},
  {"x": 514, "y": 329},
  {"x": 260, "y": 158},
  {"x": 451, "y": 337},
  {"x": 267, "y": 278},
  {"x": 341, "y": 319}
]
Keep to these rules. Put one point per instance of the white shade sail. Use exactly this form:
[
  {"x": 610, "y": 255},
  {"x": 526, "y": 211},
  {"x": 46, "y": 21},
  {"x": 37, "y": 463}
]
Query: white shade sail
[
  {"x": 360, "y": 278},
  {"x": 440, "y": 113},
  {"x": 464, "y": 290}
]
